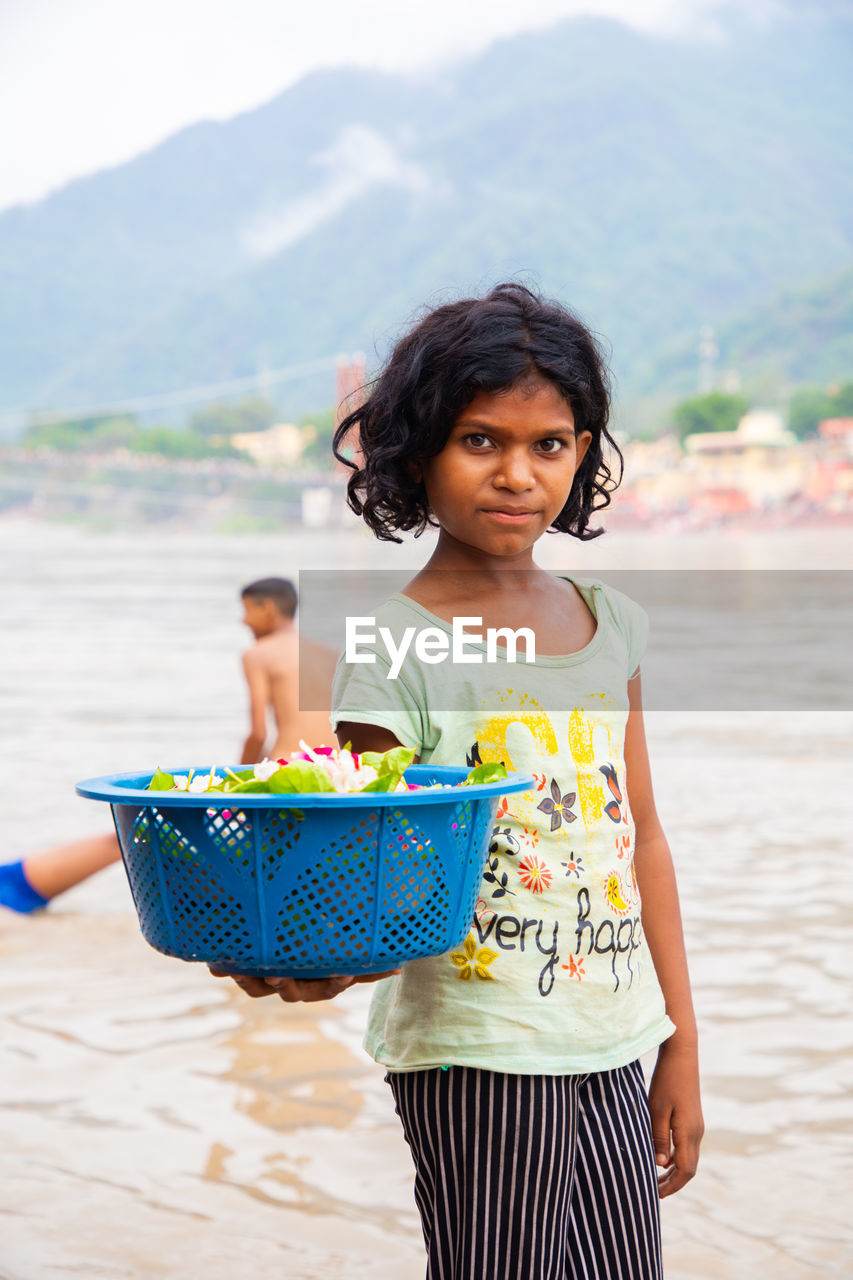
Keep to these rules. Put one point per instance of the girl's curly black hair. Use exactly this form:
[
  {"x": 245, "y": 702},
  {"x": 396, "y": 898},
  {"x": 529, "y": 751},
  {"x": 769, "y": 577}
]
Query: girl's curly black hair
[{"x": 456, "y": 351}]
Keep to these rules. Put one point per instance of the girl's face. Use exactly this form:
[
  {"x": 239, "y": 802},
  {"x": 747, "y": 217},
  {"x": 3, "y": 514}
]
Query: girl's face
[{"x": 506, "y": 470}]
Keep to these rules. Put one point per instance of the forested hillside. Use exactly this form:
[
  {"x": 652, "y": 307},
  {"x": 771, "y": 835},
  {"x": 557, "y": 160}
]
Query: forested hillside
[{"x": 659, "y": 185}]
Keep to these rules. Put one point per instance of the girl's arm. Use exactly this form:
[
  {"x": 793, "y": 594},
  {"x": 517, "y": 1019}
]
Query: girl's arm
[
  {"x": 366, "y": 737},
  {"x": 676, "y": 1111}
]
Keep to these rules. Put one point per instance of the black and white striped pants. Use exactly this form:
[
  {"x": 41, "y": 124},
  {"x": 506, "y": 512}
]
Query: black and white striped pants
[{"x": 533, "y": 1177}]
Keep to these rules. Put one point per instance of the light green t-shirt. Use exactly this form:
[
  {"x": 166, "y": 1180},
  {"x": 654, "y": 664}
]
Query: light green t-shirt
[{"x": 555, "y": 976}]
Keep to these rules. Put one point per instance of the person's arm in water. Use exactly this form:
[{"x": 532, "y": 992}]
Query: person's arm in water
[
  {"x": 364, "y": 737},
  {"x": 257, "y": 680},
  {"x": 676, "y": 1111}
]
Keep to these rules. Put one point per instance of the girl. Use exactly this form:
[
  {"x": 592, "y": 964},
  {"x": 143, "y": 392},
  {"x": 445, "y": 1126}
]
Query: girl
[{"x": 514, "y": 1061}]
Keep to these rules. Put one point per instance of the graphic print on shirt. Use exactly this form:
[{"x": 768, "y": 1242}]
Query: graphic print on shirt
[
  {"x": 613, "y": 894},
  {"x": 558, "y": 806},
  {"x": 502, "y": 840},
  {"x": 473, "y": 961},
  {"x": 580, "y": 827},
  {"x": 612, "y": 808}
]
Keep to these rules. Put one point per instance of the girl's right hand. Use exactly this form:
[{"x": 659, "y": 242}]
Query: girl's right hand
[{"x": 298, "y": 990}]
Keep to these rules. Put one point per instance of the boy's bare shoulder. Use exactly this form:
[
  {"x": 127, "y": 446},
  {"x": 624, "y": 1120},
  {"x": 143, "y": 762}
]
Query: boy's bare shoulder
[
  {"x": 282, "y": 651},
  {"x": 273, "y": 653}
]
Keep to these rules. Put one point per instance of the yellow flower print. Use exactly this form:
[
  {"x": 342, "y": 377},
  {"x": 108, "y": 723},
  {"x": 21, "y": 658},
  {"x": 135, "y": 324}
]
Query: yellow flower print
[
  {"x": 613, "y": 894},
  {"x": 472, "y": 961}
]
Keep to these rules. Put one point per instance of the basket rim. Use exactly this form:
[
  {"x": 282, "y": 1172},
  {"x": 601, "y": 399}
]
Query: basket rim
[{"x": 119, "y": 789}]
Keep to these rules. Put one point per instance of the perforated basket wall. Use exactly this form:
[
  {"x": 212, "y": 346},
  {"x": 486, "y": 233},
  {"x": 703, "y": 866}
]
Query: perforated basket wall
[{"x": 306, "y": 892}]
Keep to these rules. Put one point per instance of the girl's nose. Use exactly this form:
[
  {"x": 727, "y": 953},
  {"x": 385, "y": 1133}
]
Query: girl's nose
[{"x": 514, "y": 471}]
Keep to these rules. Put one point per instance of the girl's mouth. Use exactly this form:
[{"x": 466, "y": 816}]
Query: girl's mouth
[{"x": 509, "y": 515}]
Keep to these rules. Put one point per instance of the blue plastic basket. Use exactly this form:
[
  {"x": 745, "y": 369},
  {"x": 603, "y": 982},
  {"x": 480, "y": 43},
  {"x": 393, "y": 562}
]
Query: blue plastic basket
[{"x": 305, "y": 885}]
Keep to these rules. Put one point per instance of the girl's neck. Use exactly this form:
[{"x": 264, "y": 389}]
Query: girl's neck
[
  {"x": 456, "y": 572},
  {"x": 451, "y": 556}
]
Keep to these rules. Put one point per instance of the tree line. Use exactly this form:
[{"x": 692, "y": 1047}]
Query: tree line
[
  {"x": 722, "y": 411},
  {"x": 207, "y": 432}
]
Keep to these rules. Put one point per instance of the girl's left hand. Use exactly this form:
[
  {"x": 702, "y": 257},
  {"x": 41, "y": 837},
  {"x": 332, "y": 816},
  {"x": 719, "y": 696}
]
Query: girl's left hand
[{"x": 676, "y": 1111}]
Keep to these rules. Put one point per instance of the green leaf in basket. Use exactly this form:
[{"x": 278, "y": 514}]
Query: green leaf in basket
[
  {"x": 233, "y": 779},
  {"x": 397, "y": 760},
  {"x": 389, "y": 765},
  {"x": 249, "y": 787},
  {"x": 299, "y": 776},
  {"x": 483, "y": 773},
  {"x": 161, "y": 781},
  {"x": 385, "y": 782}
]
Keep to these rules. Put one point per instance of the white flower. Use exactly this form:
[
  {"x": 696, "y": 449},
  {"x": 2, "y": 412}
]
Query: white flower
[
  {"x": 203, "y": 781},
  {"x": 339, "y": 765},
  {"x": 365, "y": 774},
  {"x": 346, "y": 780},
  {"x": 197, "y": 782},
  {"x": 346, "y": 775},
  {"x": 342, "y": 766},
  {"x": 265, "y": 770}
]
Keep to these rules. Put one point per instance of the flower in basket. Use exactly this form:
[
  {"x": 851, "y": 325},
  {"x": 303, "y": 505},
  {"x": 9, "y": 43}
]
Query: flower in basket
[
  {"x": 198, "y": 781},
  {"x": 265, "y": 770},
  {"x": 345, "y": 768}
]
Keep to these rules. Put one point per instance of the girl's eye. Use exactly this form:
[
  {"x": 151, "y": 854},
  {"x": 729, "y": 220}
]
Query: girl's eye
[
  {"x": 551, "y": 445},
  {"x": 477, "y": 440}
]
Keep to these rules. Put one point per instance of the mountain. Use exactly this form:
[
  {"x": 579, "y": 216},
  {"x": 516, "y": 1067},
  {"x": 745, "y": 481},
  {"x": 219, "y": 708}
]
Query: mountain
[
  {"x": 657, "y": 184},
  {"x": 800, "y": 335}
]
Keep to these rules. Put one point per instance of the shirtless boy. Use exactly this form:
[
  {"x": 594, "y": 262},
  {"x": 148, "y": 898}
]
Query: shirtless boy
[{"x": 271, "y": 666}]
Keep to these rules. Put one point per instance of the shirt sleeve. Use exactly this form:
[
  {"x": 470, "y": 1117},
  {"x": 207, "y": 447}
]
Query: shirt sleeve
[
  {"x": 364, "y": 693},
  {"x": 633, "y": 622},
  {"x": 638, "y": 635}
]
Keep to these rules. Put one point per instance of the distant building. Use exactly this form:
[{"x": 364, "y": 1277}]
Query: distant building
[
  {"x": 759, "y": 427},
  {"x": 655, "y": 480},
  {"x": 725, "y": 475},
  {"x": 838, "y": 435},
  {"x": 760, "y": 460},
  {"x": 764, "y": 426},
  {"x": 835, "y": 428},
  {"x": 830, "y": 484},
  {"x": 279, "y": 445}
]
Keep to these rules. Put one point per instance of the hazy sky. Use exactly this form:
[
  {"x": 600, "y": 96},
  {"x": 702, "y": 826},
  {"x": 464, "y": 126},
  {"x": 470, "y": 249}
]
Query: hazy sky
[{"x": 85, "y": 84}]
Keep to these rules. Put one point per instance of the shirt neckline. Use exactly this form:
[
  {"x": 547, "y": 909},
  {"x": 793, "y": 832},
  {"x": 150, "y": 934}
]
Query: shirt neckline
[{"x": 590, "y": 593}]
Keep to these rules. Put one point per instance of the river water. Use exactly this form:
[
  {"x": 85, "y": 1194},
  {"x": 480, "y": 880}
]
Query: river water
[{"x": 156, "y": 1123}]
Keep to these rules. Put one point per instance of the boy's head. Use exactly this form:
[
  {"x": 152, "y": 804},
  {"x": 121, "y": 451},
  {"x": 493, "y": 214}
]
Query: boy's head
[
  {"x": 508, "y": 338},
  {"x": 266, "y": 604}
]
